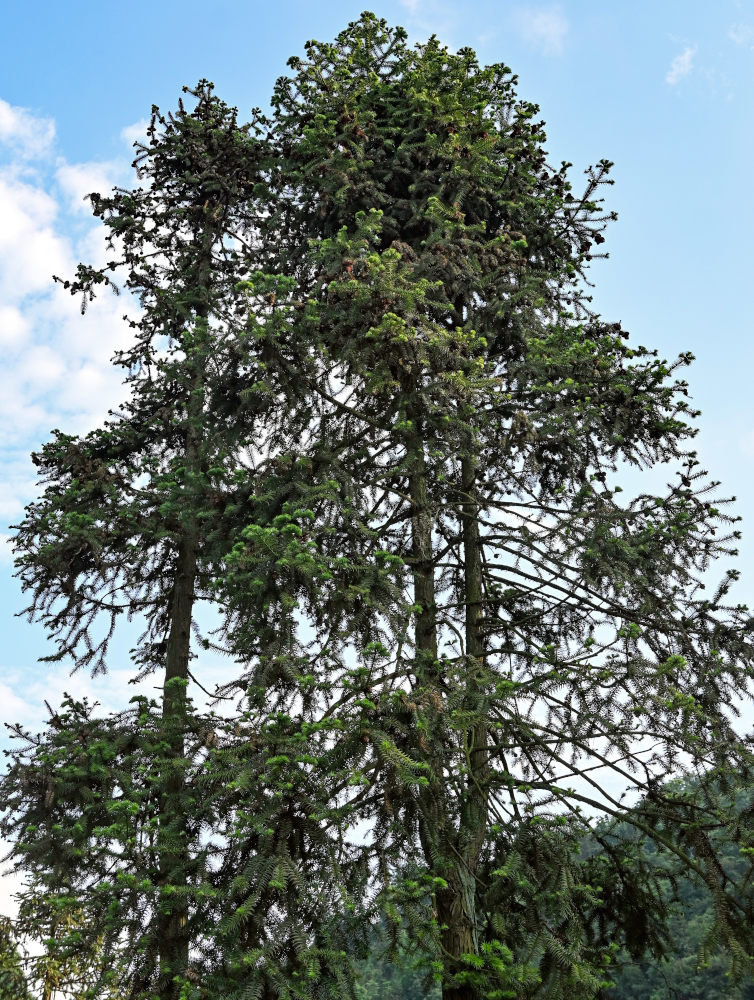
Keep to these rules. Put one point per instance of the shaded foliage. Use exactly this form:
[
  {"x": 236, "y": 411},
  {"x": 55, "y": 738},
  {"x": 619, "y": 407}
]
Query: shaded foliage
[{"x": 690, "y": 963}]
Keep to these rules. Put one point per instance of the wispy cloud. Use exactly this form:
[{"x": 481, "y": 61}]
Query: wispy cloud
[
  {"x": 681, "y": 65},
  {"x": 742, "y": 34},
  {"x": 432, "y": 17},
  {"x": 137, "y": 132},
  {"x": 77, "y": 180},
  {"x": 543, "y": 27},
  {"x": 423, "y": 18},
  {"x": 28, "y": 135}
]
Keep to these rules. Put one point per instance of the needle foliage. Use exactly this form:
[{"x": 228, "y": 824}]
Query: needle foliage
[
  {"x": 384, "y": 437},
  {"x": 551, "y": 634},
  {"x": 170, "y": 828}
]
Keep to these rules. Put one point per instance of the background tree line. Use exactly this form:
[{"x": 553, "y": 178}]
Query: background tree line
[
  {"x": 687, "y": 971},
  {"x": 373, "y": 425}
]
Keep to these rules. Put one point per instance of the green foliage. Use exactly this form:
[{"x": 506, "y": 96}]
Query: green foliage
[
  {"x": 13, "y": 984},
  {"x": 548, "y": 627},
  {"x": 694, "y": 963},
  {"x": 375, "y": 424}
]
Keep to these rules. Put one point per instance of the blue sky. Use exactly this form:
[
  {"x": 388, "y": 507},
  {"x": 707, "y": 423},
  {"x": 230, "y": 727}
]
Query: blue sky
[{"x": 661, "y": 87}]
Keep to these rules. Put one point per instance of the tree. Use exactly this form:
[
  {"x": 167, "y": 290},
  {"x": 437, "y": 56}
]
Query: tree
[
  {"x": 99, "y": 543},
  {"x": 13, "y": 984},
  {"x": 167, "y": 827},
  {"x": 445, "y": 614},
  {"x": 480, "y": 412},
  {"x": 62, "y": 968}
]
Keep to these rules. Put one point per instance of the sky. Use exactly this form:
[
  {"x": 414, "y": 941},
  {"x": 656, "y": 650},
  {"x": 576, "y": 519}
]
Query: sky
[{"x": 663, "y": 88}]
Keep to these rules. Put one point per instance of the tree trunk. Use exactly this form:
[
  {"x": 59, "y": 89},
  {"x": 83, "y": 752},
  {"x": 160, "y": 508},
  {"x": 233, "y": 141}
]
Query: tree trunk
[
  {"x": 173, "y": 920},
  {"x": 457, "y": 909},
  {"x": 475, "y": 812},
  {"x": 448, "y": 856},
  {"x": 174, "y": 855},
  {"x": 456, "y": 904},
  {"x": 456, "y": 914}
]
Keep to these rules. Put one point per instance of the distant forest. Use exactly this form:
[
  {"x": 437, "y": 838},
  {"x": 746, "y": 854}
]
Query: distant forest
[{"x": 692, "y": 969}]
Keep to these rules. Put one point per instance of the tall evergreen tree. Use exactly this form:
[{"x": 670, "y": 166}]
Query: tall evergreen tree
[
  {"x": 119, "y": 528},
  {"x": 450, "y": 626},
  {"x": 169, "y": 828},
  {"x": 479, "y": 411}
]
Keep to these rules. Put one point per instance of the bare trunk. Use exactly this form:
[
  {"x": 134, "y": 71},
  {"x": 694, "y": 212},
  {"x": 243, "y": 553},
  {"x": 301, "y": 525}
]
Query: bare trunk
[
  {"x": 475, "y": 812},
  {"x": 456, "y": 913},
  {"x": 457, "y": 909},
  {"x": 456, "y": 904}
]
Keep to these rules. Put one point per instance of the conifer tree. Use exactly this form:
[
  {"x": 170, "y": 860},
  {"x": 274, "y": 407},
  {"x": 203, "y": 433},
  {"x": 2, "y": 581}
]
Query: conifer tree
[
  {"x": 547, "y": 633},
  {"x": 119, "y": 528},
  {"x": 167, "y": 827},
  {"x": 449, "y": 623}
]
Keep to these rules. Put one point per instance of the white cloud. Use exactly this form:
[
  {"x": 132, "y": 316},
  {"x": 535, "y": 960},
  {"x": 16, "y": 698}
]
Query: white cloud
[
  {"x": 17, "y": 484},
  {"x": 28, "y": 135},
  {"x": 10, "y": 884},
  {"x": 137, "y": 132},
  {"x": 14, "y": 707},
  {"x": 544, "y": 27},
  {"x": 13, "y": 326},
  {"x": 77, "y": 180},
  {"x": 30, "y": 248},
  {"x": 56, "y": 369},
  {"x": 681, "y": 65},
  {"x": 742, "y": 34},
  {"x": 25, "y": 693}
]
